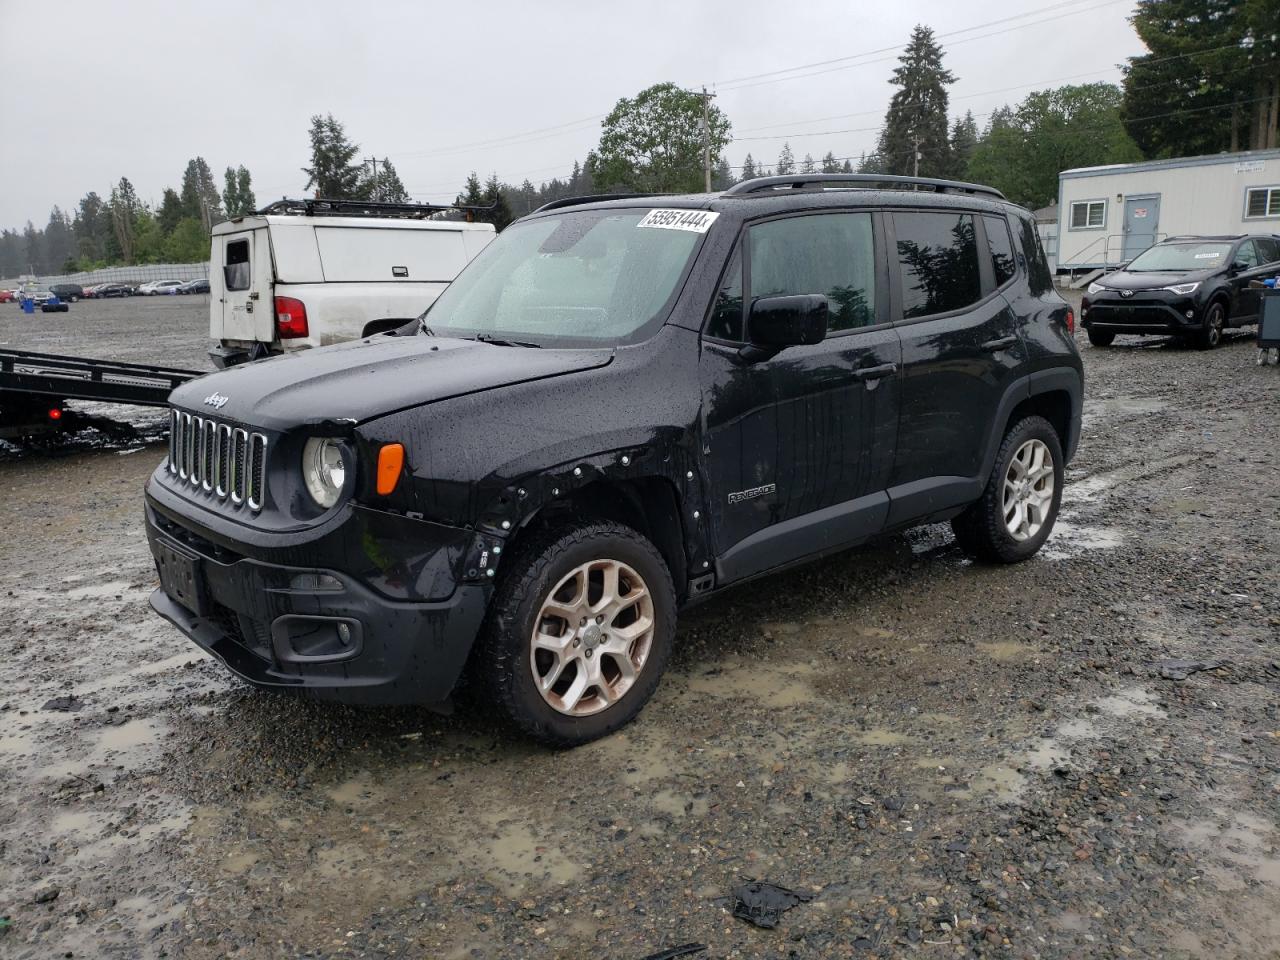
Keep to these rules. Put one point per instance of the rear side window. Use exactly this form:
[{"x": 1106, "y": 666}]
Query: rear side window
[
  {"x": 831, "y": 253},
  {"x": 236, "y": 270},
  {"x": 1001, "y": 246},
  {"x": 1038, "y": 276},
  {"x": 938, "y": 259},
  {"x": 1268, "y": 250}
]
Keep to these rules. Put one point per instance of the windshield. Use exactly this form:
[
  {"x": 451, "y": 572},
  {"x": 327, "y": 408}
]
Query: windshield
[
  {"x": 1181, "y": 256},
  {"x": 579, "y": 278}
]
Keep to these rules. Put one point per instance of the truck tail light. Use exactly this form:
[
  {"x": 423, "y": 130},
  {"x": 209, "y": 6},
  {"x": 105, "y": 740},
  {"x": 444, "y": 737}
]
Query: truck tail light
[
  {"x": 1071, "y": 320},
  {"x": 291, "y": 318},
  {"x": 390, "y": 463}
]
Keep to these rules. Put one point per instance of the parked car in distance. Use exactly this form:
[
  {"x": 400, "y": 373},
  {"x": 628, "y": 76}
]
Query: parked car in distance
[
  {"x": 618, "y": 408},
  {"x": 71, "y": 292},
  {"x": 154, "y": 288},
  {"x": 306, "y": 273},
  {"x": 194, "y": 286},
  {"x": 109, "y": 290},
  {"x": 8, "y": 296},
  {"x": 1190, "y": 287}
]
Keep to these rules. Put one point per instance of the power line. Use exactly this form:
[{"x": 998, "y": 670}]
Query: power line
[{"x": 863, "y": 63}]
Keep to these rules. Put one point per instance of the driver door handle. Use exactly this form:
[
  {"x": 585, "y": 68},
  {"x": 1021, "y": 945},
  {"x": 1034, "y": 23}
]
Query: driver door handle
[
  {"x": 871, "y": 374},
  {"x": 992, "y": 346}
]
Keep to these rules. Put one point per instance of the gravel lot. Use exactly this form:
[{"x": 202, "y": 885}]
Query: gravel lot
[{"x": 955, "y": 760}]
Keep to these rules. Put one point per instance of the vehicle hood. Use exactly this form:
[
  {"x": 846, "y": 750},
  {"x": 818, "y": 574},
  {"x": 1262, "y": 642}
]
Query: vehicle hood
[
  {"x": 1125, "y": 280},
  {"x": 364, "y": 379}
]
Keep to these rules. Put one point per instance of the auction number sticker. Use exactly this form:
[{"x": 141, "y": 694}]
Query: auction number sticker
[{"x": 695, "y": 221}]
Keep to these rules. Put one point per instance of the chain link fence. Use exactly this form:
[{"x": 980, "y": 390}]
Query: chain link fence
[{"x": 136, "y": 274}]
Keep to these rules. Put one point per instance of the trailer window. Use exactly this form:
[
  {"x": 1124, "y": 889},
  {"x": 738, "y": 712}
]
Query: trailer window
[
  {"x": 1262, "y": 202},
  {"x": 236, "y": 269},
  {"x": 1088, "y": 214}
]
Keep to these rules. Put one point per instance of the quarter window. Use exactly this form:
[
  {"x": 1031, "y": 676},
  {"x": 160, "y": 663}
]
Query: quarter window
[
  {"x": 1001, "y": 246},
  {"x": 938, "y": 257},
  {"x": 831, "y": 254},
  {"x": 1262, "y": 202},
  {"x": 1088, "y": 214},
  {"x": 726, "y": 314}
]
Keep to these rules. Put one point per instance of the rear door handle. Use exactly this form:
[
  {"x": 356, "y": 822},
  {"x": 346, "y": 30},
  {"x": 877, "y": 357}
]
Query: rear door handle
[
  {"x": 992, "y": 346},
  {"x": 871, "y": 374}
]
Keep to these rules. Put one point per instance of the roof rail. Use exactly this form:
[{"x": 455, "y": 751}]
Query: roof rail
[
  {"x": 324, "y": 207},
  {"x": 820, "y": 181},
  {"x": 591, "y": 198}
]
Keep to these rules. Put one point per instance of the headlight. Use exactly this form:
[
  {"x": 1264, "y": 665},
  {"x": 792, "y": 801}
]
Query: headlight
[
  {"x": 324, "y": 470},
  {"x": 1096, "y": 288},
  {"x": 1182, "y": 289}
]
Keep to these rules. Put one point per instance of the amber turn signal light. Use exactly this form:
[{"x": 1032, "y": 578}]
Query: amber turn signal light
[{"x": 390, "y": 463}]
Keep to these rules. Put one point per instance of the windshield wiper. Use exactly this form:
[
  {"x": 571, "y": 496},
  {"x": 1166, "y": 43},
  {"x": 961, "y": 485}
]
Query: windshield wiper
[{"x": 500, "y": 342}]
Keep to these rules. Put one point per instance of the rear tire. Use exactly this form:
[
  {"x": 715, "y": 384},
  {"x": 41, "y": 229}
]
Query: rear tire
[
  {"x": 1215, "y": 319},
  {"x": 1020, "y": 502},
  {"x": 1101, "y": 338},
  {"x": 578, "y": 633}
]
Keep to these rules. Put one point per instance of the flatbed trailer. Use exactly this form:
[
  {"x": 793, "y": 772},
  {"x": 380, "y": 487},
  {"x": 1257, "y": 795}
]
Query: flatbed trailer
[{"x": 34, "y": 388}]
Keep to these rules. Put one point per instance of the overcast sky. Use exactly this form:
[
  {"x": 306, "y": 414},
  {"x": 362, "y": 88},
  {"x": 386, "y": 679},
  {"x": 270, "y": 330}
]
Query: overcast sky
[{"x": 92, "y": 91}]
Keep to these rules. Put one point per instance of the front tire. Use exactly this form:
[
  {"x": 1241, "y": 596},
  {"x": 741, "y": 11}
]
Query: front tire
[
  {"x": 1214, "y": 320},
  {"x": 1101, "y": 338},
  {"x": 579, "y": 632},
  {"x": 1020, "y": 502}
]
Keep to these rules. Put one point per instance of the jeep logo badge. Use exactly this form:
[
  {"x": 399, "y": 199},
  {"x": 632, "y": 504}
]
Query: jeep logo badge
[{"x": 216, "y": 400}]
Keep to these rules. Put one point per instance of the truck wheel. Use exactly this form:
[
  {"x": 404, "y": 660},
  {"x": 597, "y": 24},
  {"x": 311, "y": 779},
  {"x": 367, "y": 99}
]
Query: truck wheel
[
  {"x": 1101, "y": 338},
  {"x": 1215, "y": 319},
  {"x": 1020, "y": 503},
  {"x": 579, "y": 632}
]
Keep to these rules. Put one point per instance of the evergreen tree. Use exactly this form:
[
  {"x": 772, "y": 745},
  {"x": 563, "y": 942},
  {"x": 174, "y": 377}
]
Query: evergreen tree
[
  {"x": 1211, "y": 81},
  {"x": 244, "y": 187},
  {"x": 807, "y": 165},
  {"x": 786, "y": 161},
  {"x": 472, "y": 194},
  {"x": 231, "y": 194},
  {"x": 171, "y": 211},
  {"x": 721, "y": 175},
  {"x": 749, "y": 168},
  {"x": 500, "y": 215},
  {"x": 92, "y": 228},
  {"x": 200, "y": 196},
  {"x": 386, "y": 186},
  {"x": 964, "y": 140},
  {"x": 124, "y": 208},
  {"x": 847, "y": 168},
  {"x": 916, "y": 121},
  {"x": 830, "y": 164},
  {"x": 59, "y": 242},
  {"x": 333, "y": 173},
  {"x": 32, "y": 249}
]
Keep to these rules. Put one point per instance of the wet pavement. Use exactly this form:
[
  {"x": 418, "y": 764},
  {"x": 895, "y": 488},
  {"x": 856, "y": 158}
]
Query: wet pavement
[{"x": 953, "y": 759}]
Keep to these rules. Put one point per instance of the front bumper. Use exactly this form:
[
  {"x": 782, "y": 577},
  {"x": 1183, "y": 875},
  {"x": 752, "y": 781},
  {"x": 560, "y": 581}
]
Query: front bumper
[
  {"x": 1145, "y": 312},
  {"x": 284, "y": 626}
]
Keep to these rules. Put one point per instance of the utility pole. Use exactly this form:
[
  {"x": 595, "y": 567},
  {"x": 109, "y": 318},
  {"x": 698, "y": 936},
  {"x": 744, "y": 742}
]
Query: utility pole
[
  {"x": 706, "y": 137},
  {"x": 374, "y": 181},
  {"x": 915, "y": 155}
]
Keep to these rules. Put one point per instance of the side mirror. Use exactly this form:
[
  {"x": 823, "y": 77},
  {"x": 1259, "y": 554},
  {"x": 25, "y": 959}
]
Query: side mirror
[
  {"x": 788, "y": 321},
  {"x": 1238, "y": 265}
]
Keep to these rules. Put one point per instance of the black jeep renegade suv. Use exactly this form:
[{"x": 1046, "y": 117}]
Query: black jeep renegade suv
[{"x": 621, "y": 406}]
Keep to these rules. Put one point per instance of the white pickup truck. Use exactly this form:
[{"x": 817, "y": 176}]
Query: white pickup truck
[{"x": 308, "y": 273}]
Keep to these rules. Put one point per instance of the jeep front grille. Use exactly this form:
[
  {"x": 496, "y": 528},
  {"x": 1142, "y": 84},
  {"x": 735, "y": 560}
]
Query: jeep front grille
[{"x": 224, "y": 461}]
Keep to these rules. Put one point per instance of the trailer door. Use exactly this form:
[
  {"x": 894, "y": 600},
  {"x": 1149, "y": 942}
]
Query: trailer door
[{"x": 243, "y": 310}]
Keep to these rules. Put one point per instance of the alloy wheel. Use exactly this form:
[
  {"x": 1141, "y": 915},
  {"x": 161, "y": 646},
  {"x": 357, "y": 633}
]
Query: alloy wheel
[
  {"x": 1028, "y": 490},
  {"x": 592, "y": 637}
]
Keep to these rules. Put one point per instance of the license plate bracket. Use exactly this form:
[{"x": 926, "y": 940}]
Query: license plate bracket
[{"x": 180, "y": 576}]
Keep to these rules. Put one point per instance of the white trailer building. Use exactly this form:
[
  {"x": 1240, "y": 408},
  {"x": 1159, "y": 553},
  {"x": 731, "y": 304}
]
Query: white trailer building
[{"x": 1108, "y": 215}]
